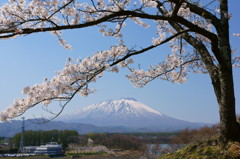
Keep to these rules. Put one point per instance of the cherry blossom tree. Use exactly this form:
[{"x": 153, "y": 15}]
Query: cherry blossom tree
[{"x": 197, "y": 32}]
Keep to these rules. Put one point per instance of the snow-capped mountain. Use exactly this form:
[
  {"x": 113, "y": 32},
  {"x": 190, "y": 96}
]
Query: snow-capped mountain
[{"x": 126, "y": 112}]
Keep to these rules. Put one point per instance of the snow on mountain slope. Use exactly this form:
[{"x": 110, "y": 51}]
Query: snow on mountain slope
[
  {"x": 122, "y": 107},
  {"x": 126, "y": 112}
]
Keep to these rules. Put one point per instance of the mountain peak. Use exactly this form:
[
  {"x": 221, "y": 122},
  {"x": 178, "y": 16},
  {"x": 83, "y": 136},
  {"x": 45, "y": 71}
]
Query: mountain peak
[
  {"x": 123, "y": 106},
  {"x": 127, "y": 112},
  {"x": 128, "y": 98},
  {"x": 123, "y": 109},
  {"x": 121, "y": 99}
]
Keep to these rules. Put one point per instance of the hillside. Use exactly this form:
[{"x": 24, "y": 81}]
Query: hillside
[{"x": 210, "y": 149}]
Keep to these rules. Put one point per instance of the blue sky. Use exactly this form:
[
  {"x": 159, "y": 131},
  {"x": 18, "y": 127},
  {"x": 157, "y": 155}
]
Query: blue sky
[{"x": 29, "y": 59}]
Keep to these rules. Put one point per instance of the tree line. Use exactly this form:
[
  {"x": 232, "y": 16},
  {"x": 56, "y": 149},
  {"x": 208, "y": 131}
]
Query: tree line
[{"x": 37, "y": 138}]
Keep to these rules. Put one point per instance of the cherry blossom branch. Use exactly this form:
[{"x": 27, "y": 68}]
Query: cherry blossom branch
[
  {"x": 61, "y": 8},
  {"x": 140, "y": 78},
  {"x": 201, "y": 12},
  {"x": 75, "y": 78},
  {"x": 124, "y": 13},
  {"x": 197, "y": 44}
]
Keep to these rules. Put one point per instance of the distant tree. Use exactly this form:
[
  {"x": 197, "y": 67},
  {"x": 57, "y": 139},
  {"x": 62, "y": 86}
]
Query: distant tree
[
  {"x": 64, "y": 135},
  {"x": 125, "y": 142},
  {"x": 188, "y": 136},
  {"x": 197, "y": 30},
  {"x": 15, "y": 141},
  {"x": 77, "y": 140},
  {"x": 117, "y": 141},
  {"x": 98, "y": 138}
]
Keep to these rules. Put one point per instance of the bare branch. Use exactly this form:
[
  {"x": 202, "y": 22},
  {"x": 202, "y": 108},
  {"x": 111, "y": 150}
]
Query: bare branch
[
  {"x": 177, "y": 7},
  {"x": 201, "y": 12}
]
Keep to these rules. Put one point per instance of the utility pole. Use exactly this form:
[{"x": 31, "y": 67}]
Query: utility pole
[{"x": 22, "y": 141}]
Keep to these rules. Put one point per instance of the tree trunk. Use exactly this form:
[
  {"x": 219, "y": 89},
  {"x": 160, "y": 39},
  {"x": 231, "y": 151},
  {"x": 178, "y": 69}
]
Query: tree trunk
[
  {"x": 223, "y": 85},
  {"x": 224, "y": 90}
]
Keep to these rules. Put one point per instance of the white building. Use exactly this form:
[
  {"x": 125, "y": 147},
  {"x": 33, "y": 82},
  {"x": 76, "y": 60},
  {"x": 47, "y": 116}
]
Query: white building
[
  {"x": 49, "y": 149},
  {"x": 29, "y": 149}
]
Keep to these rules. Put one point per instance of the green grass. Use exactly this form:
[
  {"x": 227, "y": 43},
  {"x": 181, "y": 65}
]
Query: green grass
[{"x": 210, "y": 149}]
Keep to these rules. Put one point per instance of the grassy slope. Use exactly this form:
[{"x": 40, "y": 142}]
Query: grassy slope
[{"x": 207, "y": 150}]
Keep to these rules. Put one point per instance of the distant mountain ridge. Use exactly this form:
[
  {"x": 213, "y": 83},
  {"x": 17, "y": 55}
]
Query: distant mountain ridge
[
  {"x": 127, "y": 112},
  {"x": 9, "y": 129},
  {"x": 122, "y": 115}
]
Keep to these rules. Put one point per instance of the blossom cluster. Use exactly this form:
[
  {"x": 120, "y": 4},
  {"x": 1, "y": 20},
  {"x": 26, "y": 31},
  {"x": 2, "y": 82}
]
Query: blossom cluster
[
  {"x": 167, "y": 70},
  {"x": 236, "y": 61},
  {"x": 236, "y": 34}
]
